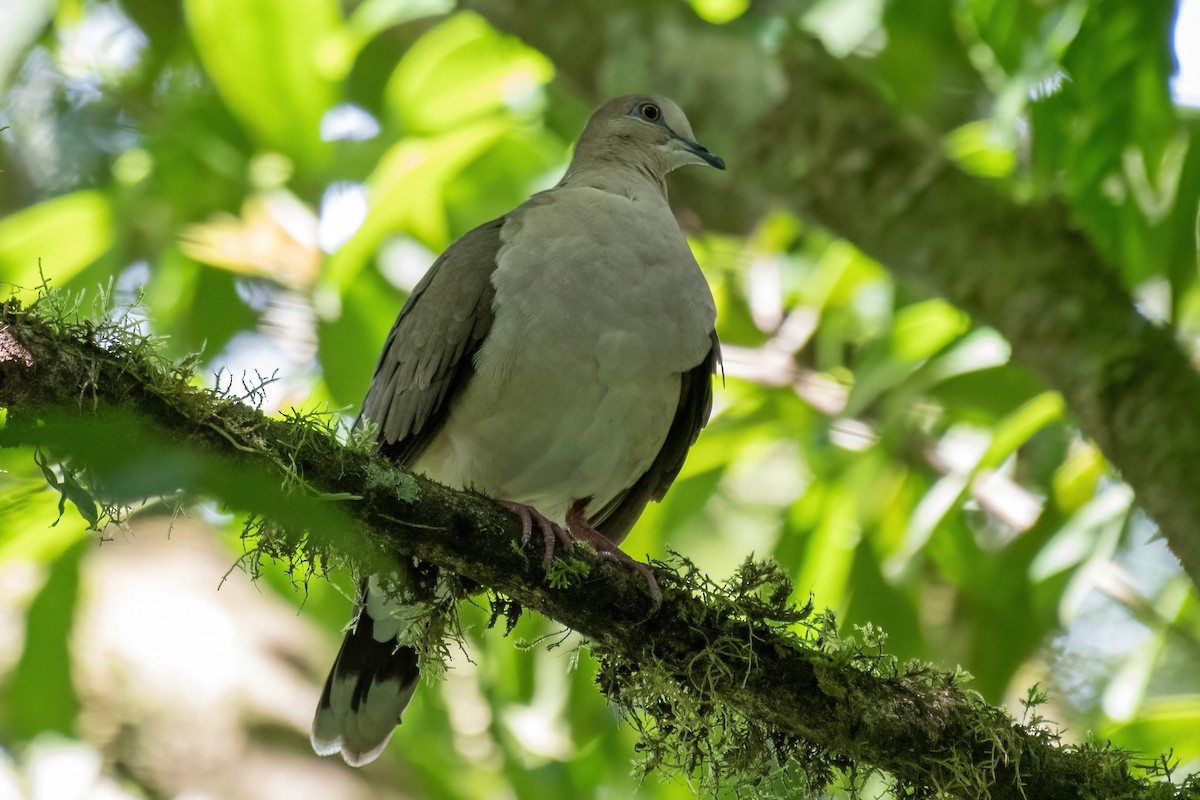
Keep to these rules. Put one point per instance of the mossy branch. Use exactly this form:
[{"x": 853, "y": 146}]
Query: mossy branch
[{"x": 730, "y": 682}]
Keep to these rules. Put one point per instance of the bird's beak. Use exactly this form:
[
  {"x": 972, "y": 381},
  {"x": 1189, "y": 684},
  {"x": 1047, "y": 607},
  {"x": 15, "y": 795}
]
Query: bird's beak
[{"x": 699, "y": 150}]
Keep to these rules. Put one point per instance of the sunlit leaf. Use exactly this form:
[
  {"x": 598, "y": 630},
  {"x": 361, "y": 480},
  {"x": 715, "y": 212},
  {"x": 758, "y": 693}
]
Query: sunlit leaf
[
  {"x": 974, "y": 149},
  {"x": 459, "y": 71},
  {"x": 945, "y": 494},
  {"x": 1013, "y": 431},
  {"x": 1075, "y": 481},
  {"x": 405, "y": 193},
  {"x": 265, "y": 60},
  {"x": 828, "y": 522},
  {"x": 57, "y": 238},
  {"x": 31, "y": 528},
  {"x": 922, "y": 329},
  {"x": 719, "y": 11},
  {"x": 918, "y": 332},
  {"x": 1163, "y": 723}
]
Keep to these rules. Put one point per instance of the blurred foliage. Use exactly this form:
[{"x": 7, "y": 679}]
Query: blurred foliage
[{"x": 263, "y": 183}]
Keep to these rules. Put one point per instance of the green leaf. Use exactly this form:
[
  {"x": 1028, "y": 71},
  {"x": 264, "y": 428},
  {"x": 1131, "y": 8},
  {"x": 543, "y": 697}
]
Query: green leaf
[
  {"x": 1016, "y": 429},
  {"x": 273, "y": 63},
  {"x": 720, "y": 11},
  {"x": 977, "y": 151},
  {"x": 827, "y": 520},
  {"x": 1163, "y": 723},
  {"x": 875, "y": 600},
  {"x": 372, "y": 17},
  {"x": 406, "y": 194},
  {"x": 58, "y": 238},
  {"x": 923, "y": 329},
  {"x": 196, "y": 308},
  {"x": 1110, "y": 137},
  {"x": 985, "y": 395},
  {"x": 81, "y": 498},
  {"x": 42, "y": 696},
  {"x": 1076, "y": 479},
  {"x": 1010, "y": 31},
  {"x": 459, "y": 71},
  {"x": 919, "y": 331}
]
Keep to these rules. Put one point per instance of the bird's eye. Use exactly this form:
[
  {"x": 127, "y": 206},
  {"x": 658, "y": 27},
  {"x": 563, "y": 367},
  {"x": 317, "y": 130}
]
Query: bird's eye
[{"x": 650, "y": 112}]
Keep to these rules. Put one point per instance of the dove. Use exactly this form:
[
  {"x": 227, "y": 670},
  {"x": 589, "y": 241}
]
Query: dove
[{"x": 558, "y": 359}]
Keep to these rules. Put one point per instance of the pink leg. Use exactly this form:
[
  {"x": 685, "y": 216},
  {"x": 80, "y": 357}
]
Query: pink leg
[
  {"x": 581, "y": 530},
  {"x": 550, "y": 531}
]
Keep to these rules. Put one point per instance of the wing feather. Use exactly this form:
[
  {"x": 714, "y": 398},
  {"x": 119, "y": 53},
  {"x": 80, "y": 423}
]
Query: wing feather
[
  {"x": 428, "y": 356},
  {"x": 616, "y": 518}
]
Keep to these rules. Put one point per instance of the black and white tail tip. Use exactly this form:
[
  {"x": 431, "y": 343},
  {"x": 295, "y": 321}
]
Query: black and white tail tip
[{"x": 370, "y": 684}]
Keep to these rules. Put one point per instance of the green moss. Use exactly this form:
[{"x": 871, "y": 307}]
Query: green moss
[
  {"x": 567, "y": 570},
  {"x": 688, "y": 728}
]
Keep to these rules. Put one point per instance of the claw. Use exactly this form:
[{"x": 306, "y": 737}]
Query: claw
[
  {"x": 523, "y": 513},
  {"x": 618, "y": 556},
  {"x": 581, "y": 530},
  {"x": 578, "y": 530},
  {"x": 551, "y": 532}
]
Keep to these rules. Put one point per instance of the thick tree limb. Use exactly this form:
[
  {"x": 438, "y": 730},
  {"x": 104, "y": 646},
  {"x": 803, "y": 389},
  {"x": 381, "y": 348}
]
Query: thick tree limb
[
  {"x": 803, "y": 127},
  {"x": 91, "y": 399}
]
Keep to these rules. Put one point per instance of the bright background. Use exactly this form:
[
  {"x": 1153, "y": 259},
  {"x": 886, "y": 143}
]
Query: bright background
[{"x": 263, "y": 183}]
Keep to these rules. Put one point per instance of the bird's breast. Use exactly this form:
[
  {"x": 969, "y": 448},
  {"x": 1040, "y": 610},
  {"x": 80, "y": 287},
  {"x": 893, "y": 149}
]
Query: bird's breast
[
  {"x": 599, "y": 309},
  {"x": 596, "y": 275}
]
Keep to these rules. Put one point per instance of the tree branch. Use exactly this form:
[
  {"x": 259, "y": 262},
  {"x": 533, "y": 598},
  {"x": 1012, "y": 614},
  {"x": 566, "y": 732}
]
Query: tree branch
[
  {"x": 102, "y": 403},
  {"x": 825, "y": 144}
]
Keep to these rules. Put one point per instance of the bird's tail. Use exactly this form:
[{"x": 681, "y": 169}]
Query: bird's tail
[{"x": 370, "y": 684}]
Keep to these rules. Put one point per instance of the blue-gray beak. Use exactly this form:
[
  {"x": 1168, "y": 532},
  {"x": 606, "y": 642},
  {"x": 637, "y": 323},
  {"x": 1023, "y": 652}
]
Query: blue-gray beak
[{"x": 700, "y": 150}]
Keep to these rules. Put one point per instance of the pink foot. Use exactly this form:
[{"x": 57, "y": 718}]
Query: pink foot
[
  {"x": 580, "y": 529},
  {"x": 550, "y": 531}
]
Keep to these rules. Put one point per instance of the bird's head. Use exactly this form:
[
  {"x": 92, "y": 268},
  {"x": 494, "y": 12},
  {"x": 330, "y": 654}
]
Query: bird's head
[{"x": 645, "y": 131}]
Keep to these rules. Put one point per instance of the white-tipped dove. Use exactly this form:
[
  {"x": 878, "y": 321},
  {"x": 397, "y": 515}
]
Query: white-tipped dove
[{"x": 558, "y": 359}]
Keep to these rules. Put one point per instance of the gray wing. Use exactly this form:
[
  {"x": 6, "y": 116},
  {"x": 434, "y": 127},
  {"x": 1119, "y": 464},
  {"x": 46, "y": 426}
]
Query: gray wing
[
  {"x": 429, "y": 353},
  {"x": 695, "y": 404}
]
